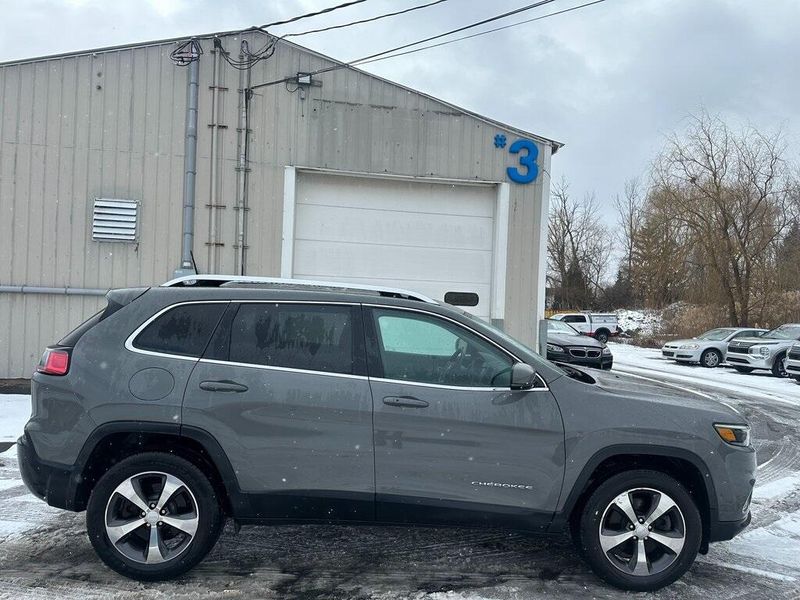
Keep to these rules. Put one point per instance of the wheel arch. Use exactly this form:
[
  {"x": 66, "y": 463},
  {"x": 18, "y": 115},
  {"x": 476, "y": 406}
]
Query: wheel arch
[
  {"x": 685, "y": 466},
  {"x": 112, "y": 442}
]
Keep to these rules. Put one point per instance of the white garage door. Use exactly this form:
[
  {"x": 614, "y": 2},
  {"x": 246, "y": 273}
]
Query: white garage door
[{"x": 428, "y": 237}]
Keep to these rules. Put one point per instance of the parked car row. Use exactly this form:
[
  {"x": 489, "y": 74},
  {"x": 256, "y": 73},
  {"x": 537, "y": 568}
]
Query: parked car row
[{"x": 746, "y": 349}]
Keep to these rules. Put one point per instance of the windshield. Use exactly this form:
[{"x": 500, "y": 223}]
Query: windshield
[
  {"x": 784, "y": 332},
  {"x": 715, "y": 335},
  {"x": 561, "y": 328}
]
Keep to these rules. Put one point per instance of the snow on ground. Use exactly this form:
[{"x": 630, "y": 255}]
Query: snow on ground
[
  {"x": 14, "y": 412},
  {"x": 646, "y": 362},
  {"x": 640, "y": 322}
]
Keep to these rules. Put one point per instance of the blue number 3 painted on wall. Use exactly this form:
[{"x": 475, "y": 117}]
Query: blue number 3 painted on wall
[{"x": 528, "y": 161}]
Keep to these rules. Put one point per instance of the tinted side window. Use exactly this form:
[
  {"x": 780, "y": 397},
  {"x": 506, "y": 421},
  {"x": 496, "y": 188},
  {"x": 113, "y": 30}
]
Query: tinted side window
[
  {"x": 574, "y": 319},
  {"x": 309, "y": 337},
  {"x": 183, "y": 330},
  {"x": 426, "y": 349}
]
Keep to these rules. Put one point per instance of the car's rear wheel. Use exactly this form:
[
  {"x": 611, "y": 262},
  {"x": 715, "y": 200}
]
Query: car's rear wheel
[
  {"x": 640, "y": 530},
  {"x": 711, "y": 358},
  {"x": 153, "y": 516},
  {"x": 744, "y": 369},
  {"x": 779, "y": 366},
  {"x": 602, "y": 336}
]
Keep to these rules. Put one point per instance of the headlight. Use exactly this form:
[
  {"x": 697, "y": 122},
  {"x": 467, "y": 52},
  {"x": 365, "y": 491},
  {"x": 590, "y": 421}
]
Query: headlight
[
  {"x": 690, "y": 347},
  {"x": 736, "y": 435},
  {"x": 554, "y": 348},
  {"x": 762, "y": 350},
  {"x": 606, "y": 351}
]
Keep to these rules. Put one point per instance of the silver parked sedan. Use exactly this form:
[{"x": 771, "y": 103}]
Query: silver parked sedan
[{"x": 710, "y": 348}]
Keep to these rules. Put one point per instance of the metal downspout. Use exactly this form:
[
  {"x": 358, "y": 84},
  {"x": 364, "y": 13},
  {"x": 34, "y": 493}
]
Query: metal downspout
[
  {"x": 242, "y": 169},
  {"x": 189, "y": 169},
  {"x": 213, "y": 266}
]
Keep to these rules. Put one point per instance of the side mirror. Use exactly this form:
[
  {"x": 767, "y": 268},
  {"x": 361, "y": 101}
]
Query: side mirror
[{"x": 523, "y": 376}]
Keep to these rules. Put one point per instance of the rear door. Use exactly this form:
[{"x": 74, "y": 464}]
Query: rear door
[
  {"x": 453, "y": 443},
  {"x": 283, "y": 388}
]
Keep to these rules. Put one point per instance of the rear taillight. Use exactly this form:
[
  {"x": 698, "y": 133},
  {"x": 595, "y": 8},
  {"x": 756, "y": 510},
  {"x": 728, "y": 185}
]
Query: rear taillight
[{"x": 55, "y": 361}]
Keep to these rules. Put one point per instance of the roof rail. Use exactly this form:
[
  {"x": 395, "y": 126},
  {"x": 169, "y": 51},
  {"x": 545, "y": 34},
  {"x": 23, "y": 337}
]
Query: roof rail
[{"x": 220, "y": 280}]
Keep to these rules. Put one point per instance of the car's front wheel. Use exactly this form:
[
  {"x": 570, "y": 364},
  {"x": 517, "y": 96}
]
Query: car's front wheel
[
  {"x": 711, "y": 358},
  {"x": 153, "y": 516},
  {"x": 640, "y": 530}
]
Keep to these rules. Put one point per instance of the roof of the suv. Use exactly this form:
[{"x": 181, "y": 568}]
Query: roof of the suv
[{"x": 262, "y": 283}]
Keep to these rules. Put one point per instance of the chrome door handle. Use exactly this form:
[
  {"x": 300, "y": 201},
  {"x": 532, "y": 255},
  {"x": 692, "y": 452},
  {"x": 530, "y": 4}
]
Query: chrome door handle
[
  {"x": 405, "y": 402},
  {"x": 222, "y": 386}
]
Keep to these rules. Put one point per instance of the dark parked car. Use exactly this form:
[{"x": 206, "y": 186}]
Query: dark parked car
[
  {"x": 177, "y": 407},
  {"x": 566, "y": 344}
]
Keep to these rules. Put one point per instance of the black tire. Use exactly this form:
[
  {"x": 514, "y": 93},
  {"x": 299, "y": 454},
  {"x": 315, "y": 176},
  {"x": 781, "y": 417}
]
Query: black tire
[
  {"x": 711, "y": 358},
  {"x": 797, "y": 378},
  {"x": 779, "y": 366},
  {"x": 744, "y": 369},
  {"x": 665, "y": 566},
  {"x": 208, "y": 516},
  {"x": 602, "y": 335}
]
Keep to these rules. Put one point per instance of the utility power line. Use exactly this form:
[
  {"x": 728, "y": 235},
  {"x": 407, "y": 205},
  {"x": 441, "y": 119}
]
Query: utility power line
[
  {"x": 367, "y": 20},
  {"x": 386, "y": 54},
  {"x": 480, "y": 33},
  {"x": 311, "y": 14}
]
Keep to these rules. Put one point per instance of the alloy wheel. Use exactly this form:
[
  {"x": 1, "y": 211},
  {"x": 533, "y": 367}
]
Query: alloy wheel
[
  {"x": 151, "y": 517},
  {"x": 642, "y": 532},
  {"x": 712, "y": 359}
]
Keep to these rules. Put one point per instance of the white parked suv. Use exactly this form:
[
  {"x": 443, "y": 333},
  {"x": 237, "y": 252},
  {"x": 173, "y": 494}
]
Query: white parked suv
[
  {"x": 793, "y": 362},
  {"x": 768, "y": 352},
  {"x": 597, "y": 325},
  {"x": 710, "y": 349}
]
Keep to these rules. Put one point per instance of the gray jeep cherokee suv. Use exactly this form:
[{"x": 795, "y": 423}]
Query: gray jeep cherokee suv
[{"x": 178, "y": 407}]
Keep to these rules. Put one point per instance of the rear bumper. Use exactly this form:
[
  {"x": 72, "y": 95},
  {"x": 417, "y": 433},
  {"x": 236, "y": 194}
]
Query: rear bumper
[{"x": 55, "y": 485}]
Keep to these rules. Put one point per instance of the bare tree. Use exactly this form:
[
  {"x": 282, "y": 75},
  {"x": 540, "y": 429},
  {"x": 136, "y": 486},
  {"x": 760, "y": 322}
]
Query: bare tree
[
  {"x": 579, "y": 247},
  {"x": 733, "y": 193}
]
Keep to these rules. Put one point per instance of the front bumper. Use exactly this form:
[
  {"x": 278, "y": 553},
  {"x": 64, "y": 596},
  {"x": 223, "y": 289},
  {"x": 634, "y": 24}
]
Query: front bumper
[
  {"x": 793, "y": 367},
  {"x": 721, "y": 531},
  {"x": 688, "y": 355},
  {"x": 739, "y": 359},
  {"x": 602, "y": 362},
  {"x": 55, "y": 485}
]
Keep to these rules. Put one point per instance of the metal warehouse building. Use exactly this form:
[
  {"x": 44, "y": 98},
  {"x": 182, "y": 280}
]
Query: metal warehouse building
[{"x": 338, "y": 176}]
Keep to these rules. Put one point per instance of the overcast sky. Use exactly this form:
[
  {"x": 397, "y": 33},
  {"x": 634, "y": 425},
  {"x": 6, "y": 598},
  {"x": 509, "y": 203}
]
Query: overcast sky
[{"x": 609, "y": 80}]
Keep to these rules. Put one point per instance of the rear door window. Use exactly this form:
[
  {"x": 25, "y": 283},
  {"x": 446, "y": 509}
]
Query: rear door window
[
  {"x": 296, "y": 336},
  {"x": 183, "y": 330}
]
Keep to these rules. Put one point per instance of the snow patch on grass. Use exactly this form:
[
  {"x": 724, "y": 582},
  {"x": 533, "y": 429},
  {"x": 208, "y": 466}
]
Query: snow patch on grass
[
  {"x": 15, "y": 410},
  {"x": 645, "y": 322}
]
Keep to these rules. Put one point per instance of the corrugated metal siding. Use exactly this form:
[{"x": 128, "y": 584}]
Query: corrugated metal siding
[{"x": 110, "y": 125}]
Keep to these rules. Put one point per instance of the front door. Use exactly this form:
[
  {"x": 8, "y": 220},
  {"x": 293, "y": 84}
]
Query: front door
[
  {"x": 453, "y": 443},
  {"x": 283, "y": 388}
]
